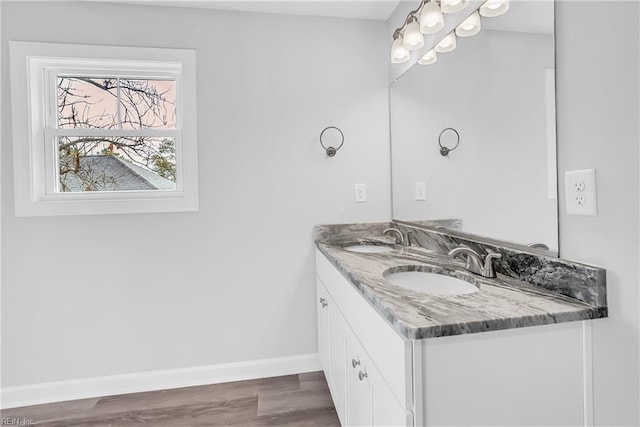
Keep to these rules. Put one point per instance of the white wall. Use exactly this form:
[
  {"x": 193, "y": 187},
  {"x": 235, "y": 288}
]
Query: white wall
[
  {"x": 491, "y": 89},
  {"x": 598, "y": 116},
  {"x": 103, "y": 295}
]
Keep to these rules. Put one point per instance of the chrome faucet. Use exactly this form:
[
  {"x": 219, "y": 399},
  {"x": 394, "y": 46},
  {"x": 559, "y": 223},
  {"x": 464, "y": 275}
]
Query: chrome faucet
[
  {"x": 474, "y": 261},
  {"x": 400, "y": 239},
  {"x": 538, "y": 246}
]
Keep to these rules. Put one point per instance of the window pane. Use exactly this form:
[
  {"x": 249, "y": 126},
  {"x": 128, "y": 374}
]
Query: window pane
[
  {"x": 87, "y": 103},
  {"x": 116, "y": 164},
  {"x": 148, "y": 104}
]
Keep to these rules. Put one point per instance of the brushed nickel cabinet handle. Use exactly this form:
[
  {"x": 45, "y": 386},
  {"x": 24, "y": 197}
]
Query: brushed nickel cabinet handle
[
  {"x": 355, "y": 362},
  {"x": 362, "y": 375},
  {"x": 323, "y": 302}
]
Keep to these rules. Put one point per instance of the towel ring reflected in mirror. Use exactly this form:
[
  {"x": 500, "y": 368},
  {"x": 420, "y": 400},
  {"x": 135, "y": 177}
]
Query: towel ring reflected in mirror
[
  {"x": 445, "y": 150},
  {"x": 330, "y": 150}
]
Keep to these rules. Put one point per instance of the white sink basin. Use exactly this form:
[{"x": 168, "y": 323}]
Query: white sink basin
[
  {"x": 431, "y": 283},
  {"x": 368, "y": 249}
]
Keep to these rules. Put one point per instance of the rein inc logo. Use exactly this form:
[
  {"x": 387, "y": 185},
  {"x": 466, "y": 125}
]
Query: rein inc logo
[{"x": 15, "y": 421}]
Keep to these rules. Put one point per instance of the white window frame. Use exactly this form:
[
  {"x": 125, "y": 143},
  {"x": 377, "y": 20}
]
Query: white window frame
[{"x": 34, "y": 69}]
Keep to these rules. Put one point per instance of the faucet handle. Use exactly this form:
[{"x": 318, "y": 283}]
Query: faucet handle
[
  {"x": 407, "y": 238},
  {"x": 488, "y": 270}
]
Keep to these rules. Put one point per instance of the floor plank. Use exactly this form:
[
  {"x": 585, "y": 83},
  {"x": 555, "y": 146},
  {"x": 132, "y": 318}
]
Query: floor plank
[
  {"x": 322, "y": 417},
  {"x": 291, "y": 400},
  {"x": 313, "y": 381},
  {"x": 208, "y": 394}
]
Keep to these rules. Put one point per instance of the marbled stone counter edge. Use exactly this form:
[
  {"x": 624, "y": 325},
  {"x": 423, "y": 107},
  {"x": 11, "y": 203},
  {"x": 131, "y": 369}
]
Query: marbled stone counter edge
[{"x": 327, "y": 242}]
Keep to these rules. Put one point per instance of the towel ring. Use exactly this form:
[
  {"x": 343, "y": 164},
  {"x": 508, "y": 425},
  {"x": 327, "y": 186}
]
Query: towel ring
[
  {"x": 331, "y": 151},
  {"x": 444, "y": 150}
]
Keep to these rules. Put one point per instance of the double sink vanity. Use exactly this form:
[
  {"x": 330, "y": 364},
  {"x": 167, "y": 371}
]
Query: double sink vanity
[
  {"x": 459, "y": 311},
  {"x": 409, "y": 336}
]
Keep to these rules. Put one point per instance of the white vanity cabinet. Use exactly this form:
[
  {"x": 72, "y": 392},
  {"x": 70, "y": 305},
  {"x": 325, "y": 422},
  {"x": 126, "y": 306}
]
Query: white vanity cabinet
[
  {"x": 522, "y": 376},
  {"x": 359, "y": 355},
  {"x": 360, "y": 394}
]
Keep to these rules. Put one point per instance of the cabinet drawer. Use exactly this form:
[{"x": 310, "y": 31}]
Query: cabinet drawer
[{"x": 389, "y": 352}]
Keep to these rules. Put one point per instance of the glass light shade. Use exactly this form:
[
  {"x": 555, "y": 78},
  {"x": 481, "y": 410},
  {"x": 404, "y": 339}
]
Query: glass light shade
[
  {"x": 431, "y": 19},
  {"x": 453, "y": 6},
  {"x": 429, "y": 58},
  {"x": 413, "y": 38},
  {"x": 398, "y": 53},
  {"x": 447, "y": 44},
  {"x": 470, "y": 26},
  {"x": 493, "y": 8}
]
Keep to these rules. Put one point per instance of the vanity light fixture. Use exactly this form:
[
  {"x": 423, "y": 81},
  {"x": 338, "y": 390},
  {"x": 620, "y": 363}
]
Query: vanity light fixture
[
  {"x": 398, "y": 53},
  {"x": 409, "y": 37},
  {"x": 431, "y": 18},
  {"x": 447, "y": 44},
  {"x": 493, "y": 8},
  {"x": 470, "y": 26},
  {"x": 429, "y": 58},
  {"x": 453, "y": 6},
  {"x": 413, "y": 38}
]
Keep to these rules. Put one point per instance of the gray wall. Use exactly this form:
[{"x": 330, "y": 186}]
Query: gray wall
[
  {"x": 101, "y": 295},
  {"x": 597, "y": 107}
]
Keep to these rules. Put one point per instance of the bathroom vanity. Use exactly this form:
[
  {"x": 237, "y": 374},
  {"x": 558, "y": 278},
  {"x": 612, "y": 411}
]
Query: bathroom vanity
[
  {"x": 510, "y": 353},
  {"x": 508, "y": 350}
]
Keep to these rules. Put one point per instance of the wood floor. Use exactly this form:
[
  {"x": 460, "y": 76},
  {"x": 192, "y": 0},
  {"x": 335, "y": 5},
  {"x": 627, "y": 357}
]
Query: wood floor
[{"x": 292, "y": 400}]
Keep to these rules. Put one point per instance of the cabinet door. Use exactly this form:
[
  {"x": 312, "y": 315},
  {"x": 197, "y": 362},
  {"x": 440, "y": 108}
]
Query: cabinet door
[
  {"x": 370, "y": 401},
  {"x": 386, "y": 409},
  {"x": 359, "y": 399},
  {"x": 338, "y": 358},
  {"x": 324, "y": 341},
  {"x": 331, "y": 347},
  {"x": 516, "y": 377}
]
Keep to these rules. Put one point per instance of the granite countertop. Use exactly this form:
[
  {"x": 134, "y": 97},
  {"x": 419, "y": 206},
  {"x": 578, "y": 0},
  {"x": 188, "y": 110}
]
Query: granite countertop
[{"x": 500, "y": 303}]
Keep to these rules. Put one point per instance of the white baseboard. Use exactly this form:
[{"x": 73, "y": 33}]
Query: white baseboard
[{"x": 34, "y": 394}]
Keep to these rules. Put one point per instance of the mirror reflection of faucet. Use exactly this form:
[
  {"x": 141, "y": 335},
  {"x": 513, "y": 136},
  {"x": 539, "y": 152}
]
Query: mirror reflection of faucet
[
  {"x": 404, "y": 240},
  {"x": 474, "y": 261}
]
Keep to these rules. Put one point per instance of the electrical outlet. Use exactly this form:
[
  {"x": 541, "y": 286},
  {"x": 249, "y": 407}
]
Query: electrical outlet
[
  {"x": 581, "y": 197},
  {"x": 421, "y": 191},
  {"x": 360, "y": 193}
]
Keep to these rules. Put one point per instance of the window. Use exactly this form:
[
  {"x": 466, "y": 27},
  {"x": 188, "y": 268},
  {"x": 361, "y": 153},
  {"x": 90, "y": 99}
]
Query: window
[{"x": 100, "y": 129}]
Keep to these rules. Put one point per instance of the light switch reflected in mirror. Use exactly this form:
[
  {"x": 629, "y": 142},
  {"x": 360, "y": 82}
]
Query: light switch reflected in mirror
[{"x": 497, "y": 90}]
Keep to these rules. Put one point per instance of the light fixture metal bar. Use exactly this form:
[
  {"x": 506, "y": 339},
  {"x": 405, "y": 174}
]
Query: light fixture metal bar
[{"x": 412, "y": 13}]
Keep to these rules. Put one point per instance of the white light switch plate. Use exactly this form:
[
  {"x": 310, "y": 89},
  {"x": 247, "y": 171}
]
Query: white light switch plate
[
  {"x": 421, "y": 191},
  {"x": 581, "y": 195},
  {"x": 360, "y": 195}
]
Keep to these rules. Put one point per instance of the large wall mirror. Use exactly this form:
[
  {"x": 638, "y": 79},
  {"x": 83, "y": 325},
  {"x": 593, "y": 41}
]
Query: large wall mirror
[{"x": 497, "y": 91}]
